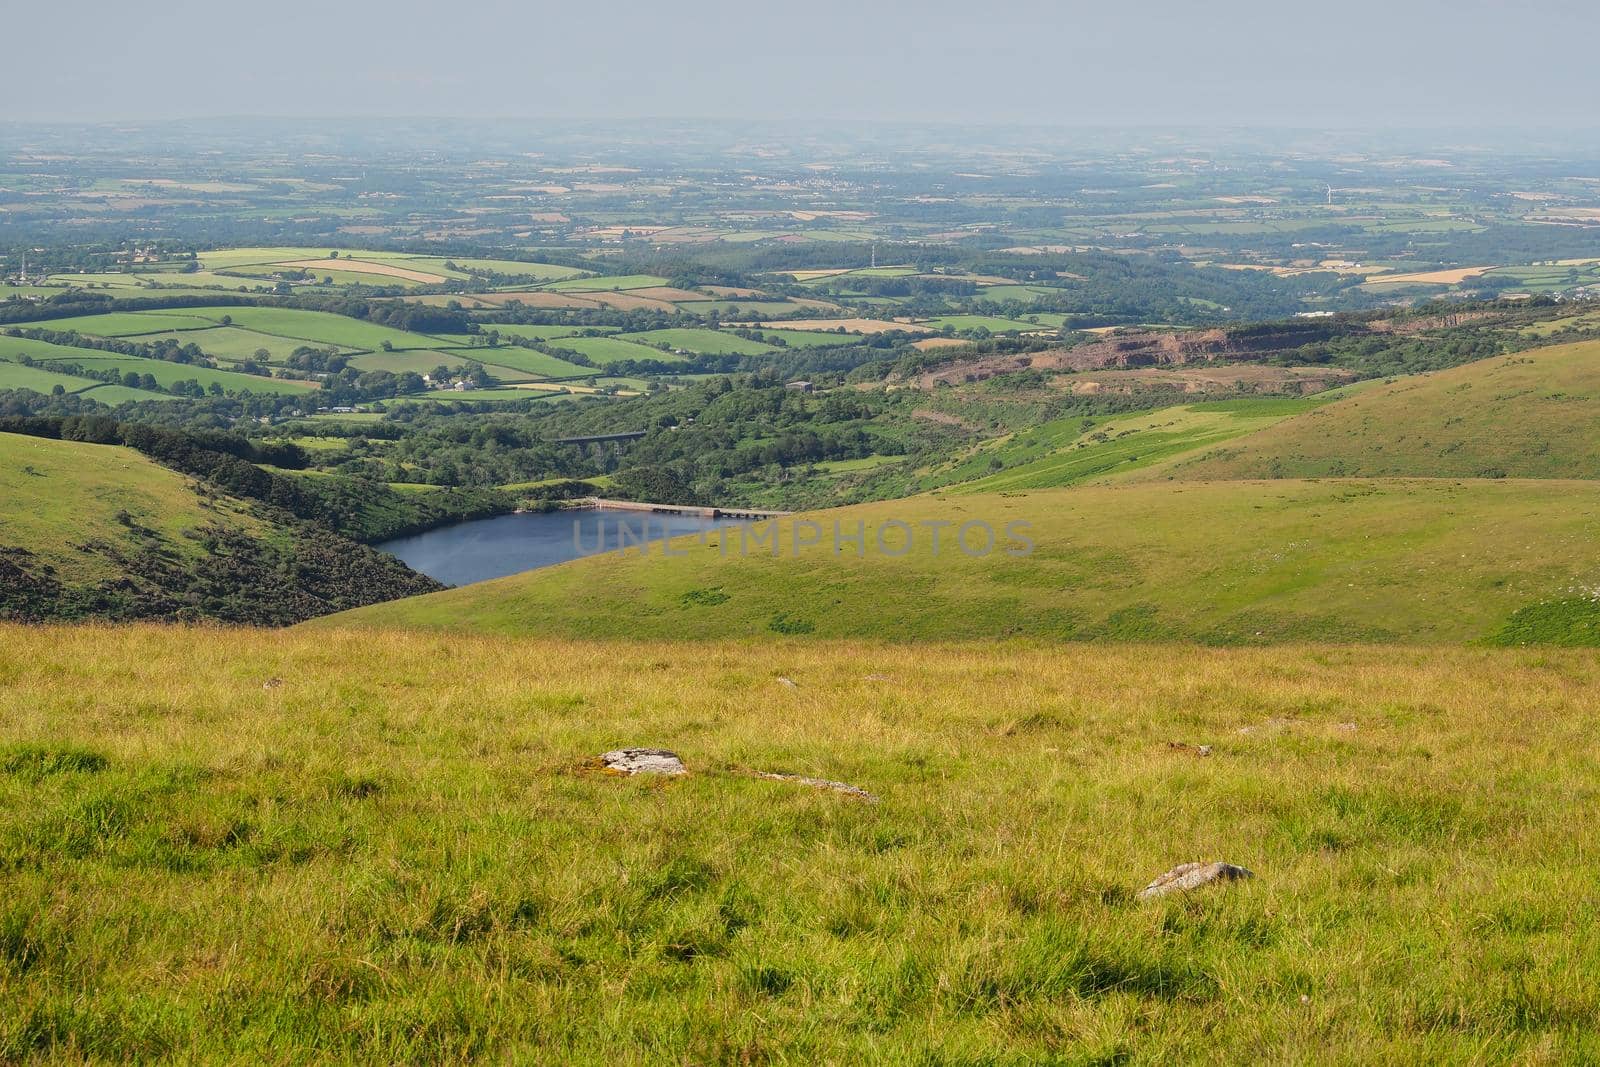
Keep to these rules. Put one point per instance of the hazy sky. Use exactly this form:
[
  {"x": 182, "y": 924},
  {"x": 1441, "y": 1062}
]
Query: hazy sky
[{"x": 1168, "y": 62}]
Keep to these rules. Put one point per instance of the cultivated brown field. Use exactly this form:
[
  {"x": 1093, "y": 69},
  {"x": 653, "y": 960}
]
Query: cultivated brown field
[
  {"x": 1432, "y": 277},
  {"x": 358, "y": 266}
]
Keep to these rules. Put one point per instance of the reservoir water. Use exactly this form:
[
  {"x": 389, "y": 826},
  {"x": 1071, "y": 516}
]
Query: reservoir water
[{"x": 482, "y": 549}]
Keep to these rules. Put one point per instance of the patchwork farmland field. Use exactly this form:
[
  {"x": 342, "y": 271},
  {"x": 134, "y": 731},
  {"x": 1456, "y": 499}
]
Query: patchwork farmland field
[
  {"x": 605, "y": 350},
  {"x": 706, "y": 342}
]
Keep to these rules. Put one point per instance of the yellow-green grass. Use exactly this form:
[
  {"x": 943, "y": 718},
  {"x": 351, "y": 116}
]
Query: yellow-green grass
[
  {"x": 748, "y": 308},
  {"x": 536, "y": 333},
  {"x": 807, "y": 338},
  {"x": 854, "y": 466},
  {"x": 237, "y": 258},
  {"x": 1531, "y": 415},
  {"x": 597, "y": 283},
  {"x": 1224, "y": 562},
  {"x": 233, "y": 343},
  {"x": 526, "y": 361},
  {"x": 165, "y": 373},
  {"x": 126, "y": 323},
  {"x": 241, "y": 257},
  {"x": 1554, "y": 326},
  {"x": 316, "y": 327},
  {"x": 16, "y": 376},
  {"x": 514, "y": 268},
  {"x": 320, "y": 444},
  {"x": 121, "y": 394},
  {"x": 603, "y": 350},
  {"x": 419, "y": 360},
  {"x": 354, "y": 277},
  {"x": 477, "y": 396},
  {"x": 1069, "y": 451},
  {"x": 386, "y": 858},
  {"x": 703, "y": 342},
  {"x": 988, "y": 322},
  {"x": 56, "y": 495},
  {"x": 144, "y": 281},
  {"x": 1027, "y": 294}
]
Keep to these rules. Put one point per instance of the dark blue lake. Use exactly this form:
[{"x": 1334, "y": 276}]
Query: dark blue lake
[{"x": 482, "y": 549}]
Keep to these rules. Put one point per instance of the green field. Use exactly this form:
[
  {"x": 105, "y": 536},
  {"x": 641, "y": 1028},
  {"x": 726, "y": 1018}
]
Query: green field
[
  {"x": 536, "y": 333},
  {"x": 605, "y": 350},
  {"x": 1531, "y": 415},
  {"x": 16, "y": 376},
  {"x": 750, "y": 308},
  {"x": 234, "y": 344},
  {"x": 510, "y": 363},
  {"x": 529, "y": 362},
  {"x": 164, "y": 372},
  {"x": 379, "y": 860},
  {"x": 317, "y": 327},
  {"x": 536, "y": 271},
  {"x": 809, "y": 338},
  {"x": 479, "y": 396},
  {"x": 244, "y": 259},
  {"x": 127, "y": 323},
  {"x": 1228, "y": 562},
  {"x": 224, "y": 259},
  {"x": 421, "y": 361},
  {"x": 287, "y": 324},
  {"x": 987, "y": 322},
  {"x": 702, "y": 342},
  {"x": 598, "y": 283}
]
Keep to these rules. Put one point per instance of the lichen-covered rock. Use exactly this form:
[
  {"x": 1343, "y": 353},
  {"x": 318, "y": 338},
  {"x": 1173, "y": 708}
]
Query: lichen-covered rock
[
  {"x": 631, "y": 761},
  {"x": 1187, "y": 876}
]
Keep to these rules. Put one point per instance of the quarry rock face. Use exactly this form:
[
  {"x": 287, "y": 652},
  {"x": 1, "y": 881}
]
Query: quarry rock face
[
  {"x": 630, "y": 761},
  {"x": 1187, "y": 876}
]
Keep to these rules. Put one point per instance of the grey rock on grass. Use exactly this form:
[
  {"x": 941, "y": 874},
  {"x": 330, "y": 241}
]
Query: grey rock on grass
[
  {"x": 630, "y": 761},
  {"x": 1187, "y": 876},
  {"x": 818, "y": 783}
]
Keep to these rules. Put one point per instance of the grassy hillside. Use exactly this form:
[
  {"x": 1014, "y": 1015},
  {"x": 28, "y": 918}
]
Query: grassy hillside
[
  {"x": 395, "y": 854},
  {"x": 1069, "y": 451},
  {"x": 62, "y": 494},
  {"x": 93, "y": 530},
  {"x": 1531, "y": 415},
  {"x": 1229, "y": 562}
]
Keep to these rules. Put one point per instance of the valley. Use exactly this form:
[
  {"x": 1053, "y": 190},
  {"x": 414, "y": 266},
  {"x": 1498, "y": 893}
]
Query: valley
[{"x": 733, "y": 592}]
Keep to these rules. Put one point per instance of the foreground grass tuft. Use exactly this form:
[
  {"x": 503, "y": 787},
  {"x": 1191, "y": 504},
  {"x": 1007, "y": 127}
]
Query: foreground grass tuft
[{"x": 396, "y": 855}]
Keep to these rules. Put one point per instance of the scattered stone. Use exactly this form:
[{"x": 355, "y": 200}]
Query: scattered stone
[
  {"x": 272, "y": 683},
  {"x": 818, "y": 783},
  {"x": 1347, "y": 726},
  {"x": 1199, "y": 750},
  {"x": 1203, "y": 750},
  {"x": 630, "y": 761},
  {"x": 790, "y": 682},
  {"x": 1187, "y": 876}
]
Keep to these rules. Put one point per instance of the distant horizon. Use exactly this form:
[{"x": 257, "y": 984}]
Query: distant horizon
[{"x": 1367, "y": 64}]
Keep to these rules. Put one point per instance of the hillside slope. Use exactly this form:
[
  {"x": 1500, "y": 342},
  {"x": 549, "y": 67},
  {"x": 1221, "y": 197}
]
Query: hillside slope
[
  {"x": 1531, "y": 415},
  {"x": 93, "y": 530},
  {"x": 1225, "y": 562},
  {"x": 398, "y": 855}
]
